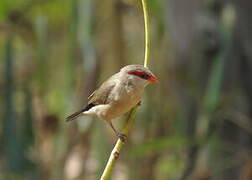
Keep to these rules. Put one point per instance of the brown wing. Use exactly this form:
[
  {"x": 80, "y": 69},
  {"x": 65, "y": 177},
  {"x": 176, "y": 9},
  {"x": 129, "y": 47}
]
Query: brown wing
[
  {"x": 100, "y": 96},
  {"x": 91, "y": 95}
]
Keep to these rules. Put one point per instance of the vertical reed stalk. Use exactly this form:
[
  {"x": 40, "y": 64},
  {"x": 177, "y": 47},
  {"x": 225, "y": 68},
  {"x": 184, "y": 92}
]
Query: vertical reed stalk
[{"x": 130, "y": 118}]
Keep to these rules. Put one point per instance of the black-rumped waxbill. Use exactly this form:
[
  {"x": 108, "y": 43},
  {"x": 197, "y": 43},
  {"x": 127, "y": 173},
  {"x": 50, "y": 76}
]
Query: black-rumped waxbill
[{"x": 116, "y": 96}]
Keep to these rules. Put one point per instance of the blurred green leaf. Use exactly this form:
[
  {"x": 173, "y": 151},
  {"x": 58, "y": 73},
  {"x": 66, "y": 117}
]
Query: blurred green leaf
[{"x": 159, "y": 145}]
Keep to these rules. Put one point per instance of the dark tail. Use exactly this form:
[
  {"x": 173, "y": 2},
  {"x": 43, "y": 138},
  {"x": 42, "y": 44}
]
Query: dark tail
[{"x": 78, "y": 113}]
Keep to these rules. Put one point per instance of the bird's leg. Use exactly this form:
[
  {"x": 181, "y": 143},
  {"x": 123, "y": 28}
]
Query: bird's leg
[{"x": 119, "y": 135}]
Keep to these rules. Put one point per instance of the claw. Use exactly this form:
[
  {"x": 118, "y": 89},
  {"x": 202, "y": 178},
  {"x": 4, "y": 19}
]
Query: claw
[{"x": 122, "y": 136}]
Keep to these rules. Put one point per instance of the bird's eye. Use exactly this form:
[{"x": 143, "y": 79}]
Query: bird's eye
[
  {"x": 144, "y": 76},
  {"x": 140, "y": 74}
]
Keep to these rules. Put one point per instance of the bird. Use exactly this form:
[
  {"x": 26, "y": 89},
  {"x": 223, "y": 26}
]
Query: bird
[{"x": 117, "y": 95}]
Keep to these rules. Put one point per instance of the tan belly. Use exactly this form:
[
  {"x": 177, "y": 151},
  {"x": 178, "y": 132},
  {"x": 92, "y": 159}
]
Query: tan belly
[{"x": 119, "y": 107}]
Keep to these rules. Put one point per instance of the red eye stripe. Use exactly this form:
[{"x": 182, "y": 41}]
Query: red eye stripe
[{"x": 140, "y": 74}]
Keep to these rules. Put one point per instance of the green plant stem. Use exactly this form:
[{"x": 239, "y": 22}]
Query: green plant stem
[
  {"x": 131, "y": 117},
  {"x": 119, "y": 145},
  {"x": 147, "y": 34}
]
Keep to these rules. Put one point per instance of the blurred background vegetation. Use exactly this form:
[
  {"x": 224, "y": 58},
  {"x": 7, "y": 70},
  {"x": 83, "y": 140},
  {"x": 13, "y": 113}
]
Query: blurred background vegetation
[{"x": 195, "y": 124}]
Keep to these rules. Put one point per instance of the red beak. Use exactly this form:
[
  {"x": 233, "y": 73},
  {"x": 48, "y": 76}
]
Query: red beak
[{"x": 153, "y": 79}]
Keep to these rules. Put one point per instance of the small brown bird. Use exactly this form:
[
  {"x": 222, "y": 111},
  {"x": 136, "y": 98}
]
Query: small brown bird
[{"x": 116, "y": 96}]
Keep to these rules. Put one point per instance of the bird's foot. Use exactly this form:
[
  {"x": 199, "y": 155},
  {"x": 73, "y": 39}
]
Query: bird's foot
[{"x": 122, "y": 136}]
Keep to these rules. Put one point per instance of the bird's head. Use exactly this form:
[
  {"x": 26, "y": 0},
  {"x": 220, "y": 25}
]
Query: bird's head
[{"x": 140, "y": 73}]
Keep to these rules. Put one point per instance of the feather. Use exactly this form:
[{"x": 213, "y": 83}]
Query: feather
[
  {"x": 99, "y": 96},
  {"x": 78, "y": 113}
]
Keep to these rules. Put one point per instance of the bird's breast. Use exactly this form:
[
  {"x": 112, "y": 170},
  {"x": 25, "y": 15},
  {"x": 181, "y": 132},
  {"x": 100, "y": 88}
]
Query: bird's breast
[{"x": 122, "y": 100}]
